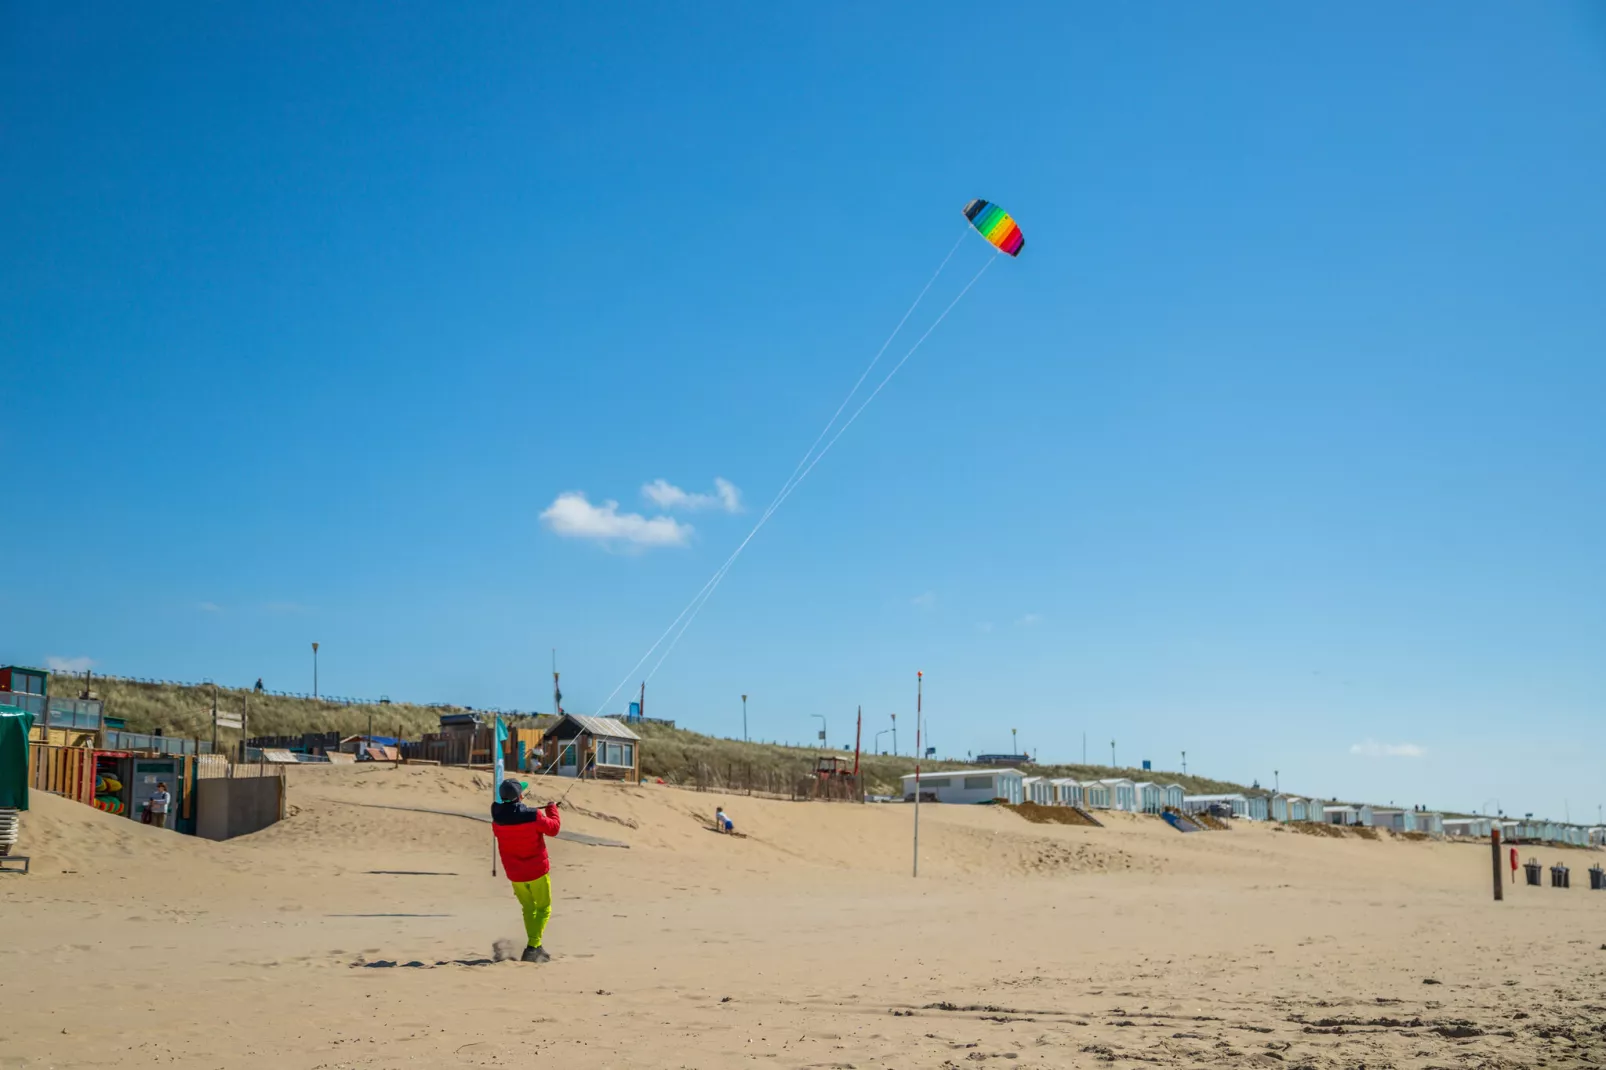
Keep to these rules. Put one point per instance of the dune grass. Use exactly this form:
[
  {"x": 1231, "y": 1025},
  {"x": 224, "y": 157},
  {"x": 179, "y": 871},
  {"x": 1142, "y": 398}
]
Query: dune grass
[{"x": 675, "y": 754}]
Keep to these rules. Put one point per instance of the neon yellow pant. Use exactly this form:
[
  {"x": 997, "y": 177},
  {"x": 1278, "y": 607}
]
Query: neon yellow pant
[{"x": 535, "y": 897}]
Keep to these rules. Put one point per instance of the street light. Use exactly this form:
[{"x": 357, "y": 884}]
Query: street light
[
  {"x": 823, "y": 728},
  {"x": 1112, "y": 754},
  {"x": 744, "y": 719},
  {"x": 314, "y": 670},
  {"x": 1014, "y": 745},
  {"x": 878, "y": 736},
  {"x": 1276, "y": 782}
]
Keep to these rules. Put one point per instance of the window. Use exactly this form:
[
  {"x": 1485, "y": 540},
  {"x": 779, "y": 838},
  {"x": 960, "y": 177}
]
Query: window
[
  {"x": 976, "y": 783},
  {"x": 619, "y": 754},
  {"x": 933, "y": 782}
]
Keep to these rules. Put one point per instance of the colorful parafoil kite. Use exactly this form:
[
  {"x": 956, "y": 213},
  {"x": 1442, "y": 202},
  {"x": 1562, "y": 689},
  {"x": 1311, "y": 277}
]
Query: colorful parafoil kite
[{"x": 996, "y": 226}]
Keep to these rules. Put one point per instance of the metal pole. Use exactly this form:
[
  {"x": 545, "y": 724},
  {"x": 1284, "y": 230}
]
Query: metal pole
[
  {"x": 920, "y": 679},
  {"x": 1494, "y": 851},
  {"x": 894, "y": 733},
  {"x": 1184, "y": 763},
  {"x": 825, "y": 730},
  {"x": 744, "y": 719},
  {"x": 1276, "y": 781},
  {"x": 314, "y": 670},
  {"x": 214, "y": 718},
  {"x": 1112, "y": 754}
]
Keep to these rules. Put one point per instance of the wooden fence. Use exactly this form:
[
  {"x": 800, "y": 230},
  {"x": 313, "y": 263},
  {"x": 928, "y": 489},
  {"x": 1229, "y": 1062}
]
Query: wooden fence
[
  {"x": 792, "y": 784},
  {"x": 68, "y": 771}
]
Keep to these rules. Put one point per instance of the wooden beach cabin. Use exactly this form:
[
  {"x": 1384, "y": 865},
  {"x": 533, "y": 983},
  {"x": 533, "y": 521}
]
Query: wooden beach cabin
[{"x": 594, "y": 748}]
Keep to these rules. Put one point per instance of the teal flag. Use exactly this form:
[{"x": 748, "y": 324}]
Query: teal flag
[
  {"x": 15, "y": 724},
  {"x": 501, "y": 747}
]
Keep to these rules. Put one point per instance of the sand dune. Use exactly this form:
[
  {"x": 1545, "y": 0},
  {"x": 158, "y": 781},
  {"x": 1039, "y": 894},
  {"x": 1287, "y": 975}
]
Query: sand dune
[{"x": 804, "y": 944}]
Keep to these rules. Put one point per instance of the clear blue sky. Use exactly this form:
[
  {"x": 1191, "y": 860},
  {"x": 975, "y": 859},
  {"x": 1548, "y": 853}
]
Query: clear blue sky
[{"x": 1283, "y": 443}]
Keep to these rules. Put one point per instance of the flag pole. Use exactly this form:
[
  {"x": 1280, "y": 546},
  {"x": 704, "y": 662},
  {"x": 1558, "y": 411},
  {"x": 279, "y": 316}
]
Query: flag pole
[{"x": 498, "y": 738}]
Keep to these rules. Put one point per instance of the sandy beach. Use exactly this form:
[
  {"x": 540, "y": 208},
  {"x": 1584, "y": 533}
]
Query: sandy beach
[{"x": 360, "y": 934}]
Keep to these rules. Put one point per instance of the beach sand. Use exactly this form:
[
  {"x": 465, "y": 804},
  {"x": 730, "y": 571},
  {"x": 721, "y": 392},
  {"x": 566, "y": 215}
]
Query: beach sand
[{"x": 804, "y": 944}]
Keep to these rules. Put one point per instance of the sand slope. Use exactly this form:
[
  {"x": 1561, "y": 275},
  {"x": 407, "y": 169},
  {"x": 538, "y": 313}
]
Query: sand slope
[{"x": 805, "y": 944}]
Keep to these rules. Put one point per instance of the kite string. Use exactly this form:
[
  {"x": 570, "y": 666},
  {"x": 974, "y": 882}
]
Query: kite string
[
  {"x": 713, "y": 580},
  {"x": 786, "y": 492}
]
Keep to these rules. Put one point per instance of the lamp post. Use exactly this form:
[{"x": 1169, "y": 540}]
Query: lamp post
[
  {"x": 878, "y": 736},
  {"x": 824, "y": 741},
  {"x": 1184, "y": 763},
  {"x": 744, "y": 719},
  {"x": 314, "y": 670},
  {"x": 1112, "y": 754},
  {"x": 1014, "y": 743},
  {"x": 1276, "y": 782}
]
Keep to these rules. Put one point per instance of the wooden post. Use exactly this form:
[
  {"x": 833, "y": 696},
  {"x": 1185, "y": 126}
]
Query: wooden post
[{"x": 1494, "y": 851}]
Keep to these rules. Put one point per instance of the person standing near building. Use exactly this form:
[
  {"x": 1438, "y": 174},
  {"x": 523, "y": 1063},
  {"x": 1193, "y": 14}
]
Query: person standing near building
[
  {"x": 161, "y": 803},
  {"x": 521, "y": 840}
]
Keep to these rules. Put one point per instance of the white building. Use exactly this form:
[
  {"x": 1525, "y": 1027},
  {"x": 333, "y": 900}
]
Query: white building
[
  {"x": 1395, "y": 820},
  {"x": 1151, "y": 797},
  {"x": 1597, "y": 836},
  {"x": 1259, "y": 808},
  {"x": 1039, "y": 790},
  {"x": 1237, "y": 804},
  {"x": 969, "y": 786},
  {"x": 1348, "y": 814},
  {"x": 1174, "y": 794},
  {"x": 1067, "y": 792},
  {"x": 1430, "y": 821},
  {"x": 1472, "y": 828},
  {"x": 1122, "y": 794}
]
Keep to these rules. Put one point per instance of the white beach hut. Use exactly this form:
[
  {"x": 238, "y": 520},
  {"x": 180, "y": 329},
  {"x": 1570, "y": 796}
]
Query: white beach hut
[
  {"x": 969, "y": 786},
  {"x": 1039, "y": 790},
  {"x": 1238, "y": 805},
  {"x": 1123, "y": 794},
  {"x": 1067, "y": 792},
  {"x": 1151, "y": 797},
  {"x": 1348, "y": 814},
  {"x": 1097, "y": 794},
  {"x": 1174, "y": 794}
]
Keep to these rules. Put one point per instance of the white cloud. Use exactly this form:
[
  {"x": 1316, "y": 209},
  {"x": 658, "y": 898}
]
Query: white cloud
[
  {"x": 573, "y": 516},
  {"x": 1029, "y": 620},
  {"x": 665, "y": 495},
  {"x": 79, "y": 664},
  {"x": 1373, "y": 749},
  {"x": 927, "y": 601},
  {"x": 985, "y": 626}
]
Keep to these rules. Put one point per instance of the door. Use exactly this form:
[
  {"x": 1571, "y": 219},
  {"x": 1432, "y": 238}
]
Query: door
[{"x": 568, "y": 758}]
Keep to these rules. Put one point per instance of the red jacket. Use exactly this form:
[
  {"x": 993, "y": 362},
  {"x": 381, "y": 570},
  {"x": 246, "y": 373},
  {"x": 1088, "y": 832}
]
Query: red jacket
[{"x": 521, "y": 839}]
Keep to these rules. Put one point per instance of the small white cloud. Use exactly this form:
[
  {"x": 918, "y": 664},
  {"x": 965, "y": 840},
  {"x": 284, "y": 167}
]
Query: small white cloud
[
  {"x": 209, "y": 607},
  {"x": 665, "y": 495},
  {"x": 572, "y": 516},
  {"x": 985, "y": 626},
  {"x": 1373, "y": 749},
  {"x": 1029, "y": 620},
  {"x": 79, "y": 664},
  {"x": 927, "y": 601}
]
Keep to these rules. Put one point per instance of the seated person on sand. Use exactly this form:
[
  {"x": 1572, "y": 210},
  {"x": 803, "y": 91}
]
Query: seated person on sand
[{"x": 723, "y": 823}]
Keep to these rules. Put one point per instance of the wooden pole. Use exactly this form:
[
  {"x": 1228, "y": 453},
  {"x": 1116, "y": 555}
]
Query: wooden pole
[{"x": 1494, "y": 851}]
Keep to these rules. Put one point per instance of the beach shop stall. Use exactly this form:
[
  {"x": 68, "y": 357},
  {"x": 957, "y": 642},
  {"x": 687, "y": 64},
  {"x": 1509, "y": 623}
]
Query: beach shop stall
[{"x": 968, "y": 786}]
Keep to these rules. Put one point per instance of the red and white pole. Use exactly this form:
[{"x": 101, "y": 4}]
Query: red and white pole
[{"x": 920, "y": 679}]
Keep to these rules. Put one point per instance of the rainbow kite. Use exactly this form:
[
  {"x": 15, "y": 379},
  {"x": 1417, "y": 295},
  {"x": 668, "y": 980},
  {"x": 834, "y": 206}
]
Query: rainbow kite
[{"x": 996, "y": 226}]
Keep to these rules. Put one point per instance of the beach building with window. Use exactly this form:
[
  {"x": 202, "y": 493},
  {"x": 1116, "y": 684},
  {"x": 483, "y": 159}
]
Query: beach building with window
[
  {"x": 1151, "y": 797},
  {"x": 1120, "y": 794},
  {"x": 1233, "y": 802},
  {"x": 1348, "y": 814},
  {"x": 1067, "y": 791},
  {"x": 1470, "y": 828},
  {"x": 969, "y": 786},
  {"x": 595, "y": 748},
  {"x": 1174, "y": 794},
  {"x": 1039, "y": 789}
]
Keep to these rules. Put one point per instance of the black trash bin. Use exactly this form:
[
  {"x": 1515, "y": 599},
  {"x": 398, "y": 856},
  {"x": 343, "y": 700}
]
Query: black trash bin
[
  {"x": 1558, "y": 877},
  {"x": 1597, "y": 879},
  {"x": 1533, "y": 870}
]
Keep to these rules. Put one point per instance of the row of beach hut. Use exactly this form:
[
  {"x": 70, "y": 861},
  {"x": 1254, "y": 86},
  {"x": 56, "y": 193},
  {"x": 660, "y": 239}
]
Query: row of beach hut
[{"x": 1147, "y": 797}]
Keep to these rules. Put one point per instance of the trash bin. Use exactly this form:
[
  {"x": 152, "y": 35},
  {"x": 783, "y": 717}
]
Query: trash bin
[
  {"x": 1597, "y": 879},
  {"x": 1533, "y": 869},
  {"x": 1558, "y": 877}
]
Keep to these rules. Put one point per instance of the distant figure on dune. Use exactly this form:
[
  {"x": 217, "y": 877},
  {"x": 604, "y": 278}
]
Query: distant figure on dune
[
  {"x": 259, "y": 685},
  {"x": 521, "y": 839},
  {"x": 722, "y": 822}
]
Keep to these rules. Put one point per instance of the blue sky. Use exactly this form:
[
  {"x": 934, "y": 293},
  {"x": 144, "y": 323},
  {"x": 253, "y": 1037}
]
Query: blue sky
[{"x": 1282, "y": 443}]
